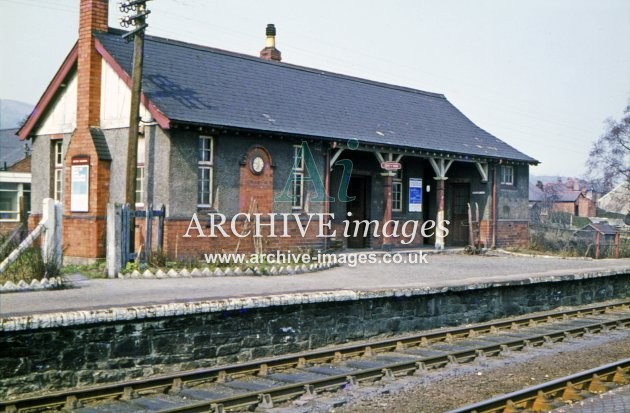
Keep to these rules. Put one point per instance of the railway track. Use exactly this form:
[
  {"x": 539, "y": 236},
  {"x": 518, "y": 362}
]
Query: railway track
[
  {"x": 556, "y": 393},
  {"x": 263, "y": 383}
]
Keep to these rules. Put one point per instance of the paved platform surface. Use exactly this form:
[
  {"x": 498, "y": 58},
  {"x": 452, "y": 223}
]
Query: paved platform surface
[{"x": 440, "y": 271}]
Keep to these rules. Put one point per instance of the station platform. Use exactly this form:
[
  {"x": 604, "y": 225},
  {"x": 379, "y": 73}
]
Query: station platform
[
  {"x": 108, "y": 330},
  {"x": 89, "y": 300}
]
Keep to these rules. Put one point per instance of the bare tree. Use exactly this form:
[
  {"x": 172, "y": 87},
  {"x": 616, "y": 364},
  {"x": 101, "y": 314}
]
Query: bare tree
[{"x": 609, "y": 158}]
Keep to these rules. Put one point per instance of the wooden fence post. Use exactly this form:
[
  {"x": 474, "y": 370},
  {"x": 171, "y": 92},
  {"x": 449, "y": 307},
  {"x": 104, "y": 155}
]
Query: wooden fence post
[
  {"x": 617, "y": 244},
  {"x": 597, "y": 236}
]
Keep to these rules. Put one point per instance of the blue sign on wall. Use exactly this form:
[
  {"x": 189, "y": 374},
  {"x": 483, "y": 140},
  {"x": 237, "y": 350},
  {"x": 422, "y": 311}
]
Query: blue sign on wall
[{"x": 415, "y": 194}]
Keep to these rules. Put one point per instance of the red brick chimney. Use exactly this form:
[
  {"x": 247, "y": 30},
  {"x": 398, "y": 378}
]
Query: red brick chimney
[
  {"x": 270, "y": 52},
  {"x": 84, "y": 228},
  {"x": 93, "y": 16}
]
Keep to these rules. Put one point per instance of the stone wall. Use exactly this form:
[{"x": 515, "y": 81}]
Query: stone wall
[{"x": 100, "y": 346}]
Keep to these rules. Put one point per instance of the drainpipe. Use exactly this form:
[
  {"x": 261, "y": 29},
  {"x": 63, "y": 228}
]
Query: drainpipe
[
  {"x": 326, "y": 191},
  {"x": 494, "y": 207}
]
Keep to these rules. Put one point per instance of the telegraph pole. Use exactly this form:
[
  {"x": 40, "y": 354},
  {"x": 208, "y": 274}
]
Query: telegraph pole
[{"x": 138, "y": 21}]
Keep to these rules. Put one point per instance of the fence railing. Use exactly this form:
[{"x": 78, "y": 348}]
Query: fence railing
[
  {"x": 577, "y": 242},
  {"x": 119, "y": 243},
  {"x": 50, "y": 228}
]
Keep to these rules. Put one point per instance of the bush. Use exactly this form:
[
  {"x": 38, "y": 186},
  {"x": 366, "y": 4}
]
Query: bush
[
  {"x": 29, "y": 266},
  {"x": 564, "y": 242}
]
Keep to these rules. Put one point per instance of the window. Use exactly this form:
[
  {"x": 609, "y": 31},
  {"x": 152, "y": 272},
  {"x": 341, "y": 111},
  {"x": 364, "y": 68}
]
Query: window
[
  {"x": 298, "y": 178},
  {"x": 10, "y": 194},
  {"x": 58, "y": 171},
  {"x": 140, "y": 185},
  {"x": 397, "y": 192},
  {"x": 507, "y": 175},
  {"x": 140, "y": 173},
  {"x": 204, "y": 173}
]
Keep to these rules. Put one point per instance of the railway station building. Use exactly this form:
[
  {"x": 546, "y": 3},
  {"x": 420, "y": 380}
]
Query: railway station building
[{"x": 227, "y": 133}]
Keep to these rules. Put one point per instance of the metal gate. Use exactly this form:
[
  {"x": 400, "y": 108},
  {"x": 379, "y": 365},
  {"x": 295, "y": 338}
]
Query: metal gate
[{"x": 119, "y": 242}]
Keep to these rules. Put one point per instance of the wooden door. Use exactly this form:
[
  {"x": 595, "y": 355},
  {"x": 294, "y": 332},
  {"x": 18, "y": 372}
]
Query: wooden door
[
  {"x": 357, "y": 188},
  {"x": 458, "y": 229}
]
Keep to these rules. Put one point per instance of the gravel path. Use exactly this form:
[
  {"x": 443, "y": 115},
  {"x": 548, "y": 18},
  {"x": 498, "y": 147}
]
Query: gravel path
[{"x": 458, "y": 385}]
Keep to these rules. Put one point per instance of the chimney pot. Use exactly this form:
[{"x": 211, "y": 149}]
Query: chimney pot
[{"x": 270, "y": 52}]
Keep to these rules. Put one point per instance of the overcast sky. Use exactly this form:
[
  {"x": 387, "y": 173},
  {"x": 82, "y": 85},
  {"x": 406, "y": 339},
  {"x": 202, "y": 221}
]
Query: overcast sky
[{"x": 541, "y": 75}]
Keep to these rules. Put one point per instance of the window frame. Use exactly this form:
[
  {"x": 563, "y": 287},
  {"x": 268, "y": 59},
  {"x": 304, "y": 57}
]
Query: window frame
[
  {"x": 21, "y": 189},
  {"x": 504, "y": 169},
  {"x": 139, "y": 197},
  {"x": 140, "y": 170},
  {"x": 205, "y": 185},
  {"x": 397, "y": 181},
  {"x": 58, "y": 170},
  {"x": 297, "y": 175}
]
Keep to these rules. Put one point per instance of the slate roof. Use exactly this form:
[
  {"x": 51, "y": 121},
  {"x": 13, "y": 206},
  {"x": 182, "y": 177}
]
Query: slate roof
[
  {"x": 11, "y": 148},
  {"x": 553, "y": 193},
  {"x": 193, "y": 84},
  {"x": 599, "y": 227},
  {"x": 100, "y": 144}
]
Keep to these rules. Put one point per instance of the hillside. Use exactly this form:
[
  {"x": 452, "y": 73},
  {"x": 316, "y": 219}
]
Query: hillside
[{"x": 12, "y": 112}]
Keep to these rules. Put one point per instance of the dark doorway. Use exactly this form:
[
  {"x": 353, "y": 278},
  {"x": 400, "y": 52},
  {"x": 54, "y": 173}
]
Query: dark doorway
[
  {"x": 458, "y": 229},
  {"x": 358, "y": 188}
]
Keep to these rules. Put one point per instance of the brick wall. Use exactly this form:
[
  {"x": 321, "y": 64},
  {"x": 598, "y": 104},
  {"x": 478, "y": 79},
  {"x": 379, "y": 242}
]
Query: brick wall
[
  {"x": 256, "y": 186},
  {"x": 586, "y": 207},
  {"x": 84, "y": 238},
  {"x": 512, "y": 233},
  {"x": 7, "y": 227},
  {"x": 22, "y": 166},
  {"x": 175, "y": 245},
  {"x": 568, "y": 207}
]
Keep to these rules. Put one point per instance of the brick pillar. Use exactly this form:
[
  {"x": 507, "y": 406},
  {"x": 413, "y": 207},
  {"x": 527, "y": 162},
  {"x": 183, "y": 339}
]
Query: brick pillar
[
  {"x": 84, "y": 232},
  {"x": 439, "y": 234}
]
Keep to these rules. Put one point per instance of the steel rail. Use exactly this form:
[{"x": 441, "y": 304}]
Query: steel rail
[
  {"x": 176, "y": 381},
  {"x": 279, "y": 394},
  {"x": 552, "y": 394}
]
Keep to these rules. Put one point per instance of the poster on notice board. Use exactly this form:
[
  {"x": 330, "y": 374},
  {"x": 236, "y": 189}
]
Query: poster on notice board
[{"x": 415, "y": 194}]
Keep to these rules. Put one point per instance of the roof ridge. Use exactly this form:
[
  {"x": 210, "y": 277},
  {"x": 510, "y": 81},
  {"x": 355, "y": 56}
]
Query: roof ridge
[{"x": 313, "y": 70}]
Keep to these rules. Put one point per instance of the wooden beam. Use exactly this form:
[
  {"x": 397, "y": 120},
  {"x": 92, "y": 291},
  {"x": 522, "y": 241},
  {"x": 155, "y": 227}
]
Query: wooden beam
[
  {"x": 439, "y": 167},
  {"x": 335, "y": 157},
  {"x": 483, "y": 171}
]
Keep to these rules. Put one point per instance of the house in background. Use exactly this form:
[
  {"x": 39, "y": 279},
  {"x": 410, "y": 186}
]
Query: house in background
[
  {"x": 223, "y": 131},
  {"x": 15, "y": 180},
  {"x": 572, "y": 198}
]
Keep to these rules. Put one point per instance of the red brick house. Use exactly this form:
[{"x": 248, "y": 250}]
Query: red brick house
[
  {"x": 569, "y": 197},
  {"x": 222, "y": 131}
]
